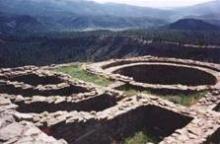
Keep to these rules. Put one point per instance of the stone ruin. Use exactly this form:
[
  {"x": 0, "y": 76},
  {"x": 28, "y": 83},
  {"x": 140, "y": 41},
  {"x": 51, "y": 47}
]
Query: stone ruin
[{"x": 38, "y": 105}]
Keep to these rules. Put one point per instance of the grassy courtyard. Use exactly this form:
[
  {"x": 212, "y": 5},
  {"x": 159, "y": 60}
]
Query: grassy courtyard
[{"x": 77, "y": 72}]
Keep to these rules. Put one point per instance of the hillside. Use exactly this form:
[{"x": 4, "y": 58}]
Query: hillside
[
  {"x": 11, "y": 24},
  {"x": 65, "y": 15},
  {"x": 55, "y": 15},
  {"x": 17, "y": 24},
  {"x": 63, "y": 48},
  {"x": 192, "y": 24},
  {"x": 59, "y": 8}
]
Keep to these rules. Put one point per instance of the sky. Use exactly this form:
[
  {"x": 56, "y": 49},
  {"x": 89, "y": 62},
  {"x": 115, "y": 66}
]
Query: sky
[{"x": 157, "y": 3}]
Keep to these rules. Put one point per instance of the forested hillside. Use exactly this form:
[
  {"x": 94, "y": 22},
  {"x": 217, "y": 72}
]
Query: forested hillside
[{"x": 53, "y": 48}]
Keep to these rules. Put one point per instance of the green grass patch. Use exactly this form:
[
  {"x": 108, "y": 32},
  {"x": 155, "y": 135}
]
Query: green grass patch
[
  {"x": 131, "y": 91},
  {"x": 186, "y": 99},
  {"x": 77, "y": 72},
  {"x": 141, "y": 138}
]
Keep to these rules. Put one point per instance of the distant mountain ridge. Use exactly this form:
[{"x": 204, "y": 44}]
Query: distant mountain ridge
[
  {"x": 12, "y": 24},
  {"x": 65, "y": 15},
  {"x": 77, "y": 7},
  {"x": 192, "y": 24},
  {"x": 202, "y": 9}
]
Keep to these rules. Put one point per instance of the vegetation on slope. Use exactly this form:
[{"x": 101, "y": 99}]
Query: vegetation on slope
[
  {"x": 77, "y": 72},
  {"x": 57, "y": 48}
]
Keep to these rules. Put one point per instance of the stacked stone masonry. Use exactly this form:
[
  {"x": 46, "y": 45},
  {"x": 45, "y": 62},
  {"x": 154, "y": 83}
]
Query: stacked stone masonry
[{"x": 43, "y": 106}]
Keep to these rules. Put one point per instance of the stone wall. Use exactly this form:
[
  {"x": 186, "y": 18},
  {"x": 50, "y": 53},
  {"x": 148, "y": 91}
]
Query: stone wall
[
  {"x": 103, "y": 115},
  {"x": 97, "y": 103},
  {"x": 149, "y": 119},
  {"x": 167, "y": 75},
  {"x": 190, "y": 73}
]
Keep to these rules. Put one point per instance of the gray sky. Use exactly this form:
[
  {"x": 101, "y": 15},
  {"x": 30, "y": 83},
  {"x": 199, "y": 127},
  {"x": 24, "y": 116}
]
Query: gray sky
[{"x": 157, "y": 3}]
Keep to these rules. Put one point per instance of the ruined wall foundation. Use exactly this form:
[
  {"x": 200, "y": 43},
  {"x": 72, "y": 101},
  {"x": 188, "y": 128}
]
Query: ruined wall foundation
[{"x": 43, "y": 106}]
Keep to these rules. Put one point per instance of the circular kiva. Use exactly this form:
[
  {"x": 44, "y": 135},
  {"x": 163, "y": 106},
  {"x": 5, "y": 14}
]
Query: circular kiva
[{"x": 161, "y": 73}]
